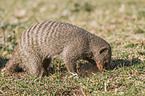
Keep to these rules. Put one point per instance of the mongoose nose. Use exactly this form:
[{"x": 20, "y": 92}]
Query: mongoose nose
[
  {"x": 106, "y": 61},
  {"x": 100, "y": 68}
]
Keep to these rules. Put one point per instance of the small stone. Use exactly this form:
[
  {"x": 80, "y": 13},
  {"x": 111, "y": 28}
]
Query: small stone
[{"x": 88, "y": 69}]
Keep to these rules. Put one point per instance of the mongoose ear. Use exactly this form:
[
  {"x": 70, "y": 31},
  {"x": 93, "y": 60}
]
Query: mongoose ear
[{"x": 103, "y": 50}]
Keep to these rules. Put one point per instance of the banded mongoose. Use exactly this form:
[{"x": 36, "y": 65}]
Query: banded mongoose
[{"x": 46, "y": 40}]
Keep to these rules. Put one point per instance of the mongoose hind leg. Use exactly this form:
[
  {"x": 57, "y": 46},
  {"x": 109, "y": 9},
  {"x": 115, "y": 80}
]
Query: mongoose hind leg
[
  {"x": 33, "y": 63},
  {"x": 13, "y": 64}
]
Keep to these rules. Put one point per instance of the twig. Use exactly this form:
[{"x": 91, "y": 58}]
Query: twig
[
  {"x": 3, "y": 30},
  {"x": 105, "y": 87},
  {"x": 2, "y": 92},
  {"x": 83, "y": 92}
]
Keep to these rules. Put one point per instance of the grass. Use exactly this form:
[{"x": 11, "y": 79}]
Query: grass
[{"x": 119, "y": 22}]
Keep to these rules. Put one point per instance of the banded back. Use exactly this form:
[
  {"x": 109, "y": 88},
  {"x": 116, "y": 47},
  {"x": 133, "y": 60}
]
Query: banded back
[{"x": 41, "y": 33}]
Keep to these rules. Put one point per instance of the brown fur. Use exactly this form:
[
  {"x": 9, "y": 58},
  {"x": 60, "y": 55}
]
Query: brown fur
[{"x": 44, "y": 41}]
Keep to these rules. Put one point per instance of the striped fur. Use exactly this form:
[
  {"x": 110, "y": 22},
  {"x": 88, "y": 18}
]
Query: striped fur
[{"x": 44, "y": 41}]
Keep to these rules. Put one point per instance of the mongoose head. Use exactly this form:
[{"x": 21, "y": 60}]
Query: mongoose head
[{"x": 103, "y": 58}]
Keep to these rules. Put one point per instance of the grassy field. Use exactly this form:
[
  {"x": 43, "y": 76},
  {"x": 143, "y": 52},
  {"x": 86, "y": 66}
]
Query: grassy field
[{"x": 120, "y": 22}]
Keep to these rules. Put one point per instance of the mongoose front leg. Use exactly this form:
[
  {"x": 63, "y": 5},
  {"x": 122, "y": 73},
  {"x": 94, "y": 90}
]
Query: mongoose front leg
[
  {"x": 70, "y": 57},
  {"x": 70, "y": 65},
  {"x": 70, "y": 62}
]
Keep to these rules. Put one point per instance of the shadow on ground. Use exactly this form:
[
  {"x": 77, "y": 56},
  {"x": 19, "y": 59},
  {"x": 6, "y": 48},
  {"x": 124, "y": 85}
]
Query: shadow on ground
[
  {"x": 124, "y": 62},
  {"x": 3, "y": 61},
  {"x": 114, "y": 64}
]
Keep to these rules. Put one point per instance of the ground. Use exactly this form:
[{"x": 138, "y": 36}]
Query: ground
[{"x": 120, "y": 22}]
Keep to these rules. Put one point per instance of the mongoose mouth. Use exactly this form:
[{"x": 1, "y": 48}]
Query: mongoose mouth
[
  {"x": 104, "y": 65},
  {"x": 100, "y": 67}
]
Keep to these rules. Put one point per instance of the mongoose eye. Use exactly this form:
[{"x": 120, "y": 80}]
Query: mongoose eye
[{"x": 103, "y": 50}]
